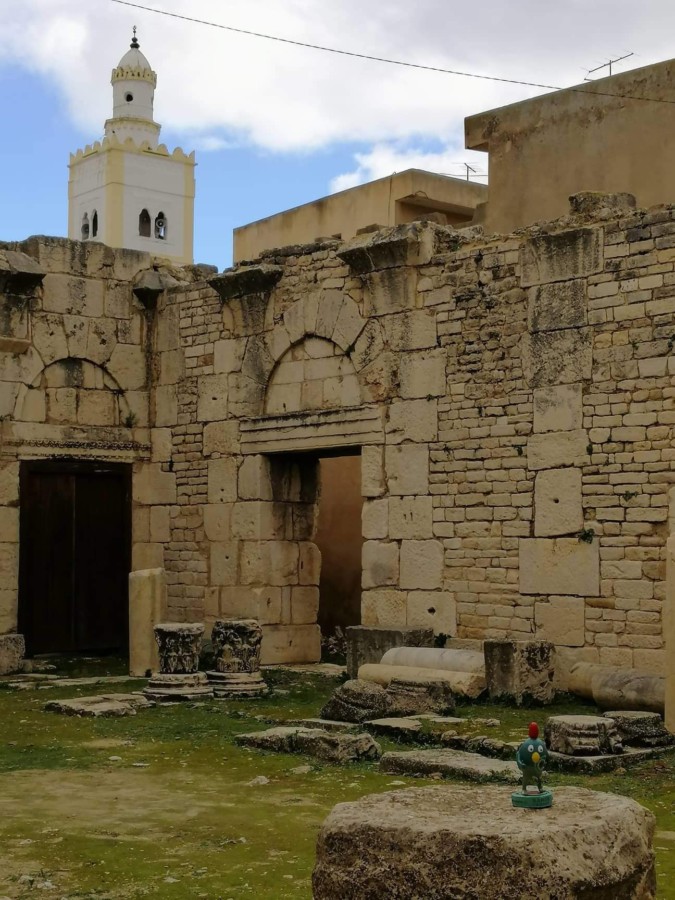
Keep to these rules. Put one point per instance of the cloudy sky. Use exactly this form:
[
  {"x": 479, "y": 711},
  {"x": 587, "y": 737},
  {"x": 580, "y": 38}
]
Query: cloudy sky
[{"x": 276, "y": 125}]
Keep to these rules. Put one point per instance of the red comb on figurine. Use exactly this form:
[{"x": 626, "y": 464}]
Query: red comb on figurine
[{"x": 533, "y": 730}]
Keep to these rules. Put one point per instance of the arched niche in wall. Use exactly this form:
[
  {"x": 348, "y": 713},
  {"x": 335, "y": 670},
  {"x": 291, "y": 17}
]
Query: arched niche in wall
[
  {"x": 144, "y": 223},
  {"x": 74, "y": 391},
  {"x": 313, "y": 374}
]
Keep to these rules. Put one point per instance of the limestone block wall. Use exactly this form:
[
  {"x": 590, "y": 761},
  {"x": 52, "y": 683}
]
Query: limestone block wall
[
  {"x": 511, "y": 398},
  {"x": 75, "y": 375}
]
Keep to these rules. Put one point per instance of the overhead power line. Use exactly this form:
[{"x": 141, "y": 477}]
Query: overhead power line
[{"x": 382, "y": 59}]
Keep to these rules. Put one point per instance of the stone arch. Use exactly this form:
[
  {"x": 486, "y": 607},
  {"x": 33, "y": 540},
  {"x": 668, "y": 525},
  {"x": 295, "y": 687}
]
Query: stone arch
[
  {"x": 307, "y": 330},
  {"x": 313, "y": 374},
  {"x": 74, "y": 391}
]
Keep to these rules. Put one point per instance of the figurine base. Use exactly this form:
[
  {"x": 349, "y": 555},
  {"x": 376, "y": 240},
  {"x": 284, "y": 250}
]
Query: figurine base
[{"x": 542, "y": 800}]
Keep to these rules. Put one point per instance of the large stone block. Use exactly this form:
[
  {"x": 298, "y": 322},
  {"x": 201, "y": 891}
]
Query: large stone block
[
  {"x": 413, "y": 330},
  {"x": 212, "y": 397},
  {"x": 221, "y": 437},
  {"x": 557, "y": 502},
  {"x": 228, "y": 355},
  {"x": 553, "y": 307},
  {"x": 412, "y": 420},
  {"x": 368, "y": 644},
  {"x": 147, "y": 607},
  {"x": 390, "y": 291},
  {"x": 562, "y": 256},
  {"x": 224, "y": 560},
  {"x": 384, "y": 608},
  {"x": 557, "y": 448},
  {"x": 372, "y": 471},
  {"x": 563, "y": 566},
  {"x": 561, "y": 620},
  {"x": 410, "y": 518},
  {"x": 433, "y": 609},
  {"x": 407, "y": 468},
  {"x": 558, "y": 408},
  {"x": 422, "y": 565},
  {"x": 290, "y": 644},
  {"x": 151, "y": 485},
  {"x": 128, "y": 365},
  {"x": 222, "y": 480},
  {"x": 255, "y": 478},
  {"x": 12, "y": 652},
  {"x": 380, "y": 564},
  {"x": 445, "y": 843},
  {"x": 557, "y": 357},
  {"x": 422, "y": 374},
  {"x": 520, "y": 671}
]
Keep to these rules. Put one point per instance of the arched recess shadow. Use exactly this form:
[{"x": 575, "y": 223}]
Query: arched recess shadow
[{"x": 74, "y": 391}]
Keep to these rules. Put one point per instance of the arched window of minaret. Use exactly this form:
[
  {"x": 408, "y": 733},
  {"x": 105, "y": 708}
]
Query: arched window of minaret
[
  {"x": 85, "y": 227},
  {"x": 144, "y": 222},
  {"x": 94, "y": 224},
  {"x": 160, "y": 226}
]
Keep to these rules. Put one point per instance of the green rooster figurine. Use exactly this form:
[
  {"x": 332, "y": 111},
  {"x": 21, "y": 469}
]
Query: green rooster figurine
[{"x": 531, "y": 759}]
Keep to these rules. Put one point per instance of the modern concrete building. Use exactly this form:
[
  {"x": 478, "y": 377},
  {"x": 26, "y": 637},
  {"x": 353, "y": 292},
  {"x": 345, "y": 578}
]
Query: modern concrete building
[
  {"x": 614, "y": 134},
  {"x": 128, "y": 190},
  {"x": 394, "y": 200}
]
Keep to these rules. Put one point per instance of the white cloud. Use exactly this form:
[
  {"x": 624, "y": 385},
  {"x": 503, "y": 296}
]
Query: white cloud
[
  {"x": 386, "y": 159},
  {"x": 232, "y": 87}
]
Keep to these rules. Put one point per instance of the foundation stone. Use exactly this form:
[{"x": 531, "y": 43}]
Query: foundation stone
[
  {"x": 179, "y": 647},
  {"x": 317, "y": 742},
  {"x": 236, "y": 646},
  {"x": 12, "y": 651},
  {"x": 446, "y": 842},
  {"x": 640, "y": 729},
  {"x": 357, "y": 701},
  {"x": 520, "y": 671}
]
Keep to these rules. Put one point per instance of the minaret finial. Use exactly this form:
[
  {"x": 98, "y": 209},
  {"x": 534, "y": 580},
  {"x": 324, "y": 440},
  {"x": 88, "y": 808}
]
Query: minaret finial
[{"x": 134, "y": 41}]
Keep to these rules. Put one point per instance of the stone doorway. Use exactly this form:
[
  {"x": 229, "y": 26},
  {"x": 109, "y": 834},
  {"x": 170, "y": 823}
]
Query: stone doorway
[
  {"x": 339, "y": 540},
  {"x": 75, "y": 539}
]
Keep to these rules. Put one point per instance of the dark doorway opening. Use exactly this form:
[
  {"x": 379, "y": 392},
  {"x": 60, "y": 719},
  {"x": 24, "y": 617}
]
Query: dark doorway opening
[
  {"x": 339, "y": 539},
  {"x": 75, "y": 556}
]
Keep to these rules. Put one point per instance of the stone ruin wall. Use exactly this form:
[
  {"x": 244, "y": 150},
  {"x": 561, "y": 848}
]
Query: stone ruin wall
[
  {"x": 76, "y": 374},
  {"x": 513, "y": 398}
]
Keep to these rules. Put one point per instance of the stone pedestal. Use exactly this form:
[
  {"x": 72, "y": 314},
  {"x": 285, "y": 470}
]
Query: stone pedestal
[
  {"x": 582, "y": 735},
  {"x": 236, "y": 646},
  {"x": 147, "y": 603},
  {"x": 179, "y": 645},
  {"x": 12, "y": 651},
  {"x": 520, "y": 671},
  {"x": 450, "y": 842}
]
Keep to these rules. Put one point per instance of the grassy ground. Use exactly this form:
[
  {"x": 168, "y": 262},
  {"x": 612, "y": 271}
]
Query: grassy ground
[{"x": 161, "y": 805}]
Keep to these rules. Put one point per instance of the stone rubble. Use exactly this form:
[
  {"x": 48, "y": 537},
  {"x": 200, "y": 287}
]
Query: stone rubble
[{"x": 324, "y": 745}]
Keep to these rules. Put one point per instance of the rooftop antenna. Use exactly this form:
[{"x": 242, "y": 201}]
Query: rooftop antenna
[
  {"x": 610, "y": 63},
  {"x": 468, "y": 170}
]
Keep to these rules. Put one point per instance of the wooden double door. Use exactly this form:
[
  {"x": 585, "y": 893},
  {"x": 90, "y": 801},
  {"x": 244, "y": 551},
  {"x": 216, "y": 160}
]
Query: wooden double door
[{"x": 75, "y": 555}]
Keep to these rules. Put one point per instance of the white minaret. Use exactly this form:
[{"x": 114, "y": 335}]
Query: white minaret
[{"x": 128, "y": 190}]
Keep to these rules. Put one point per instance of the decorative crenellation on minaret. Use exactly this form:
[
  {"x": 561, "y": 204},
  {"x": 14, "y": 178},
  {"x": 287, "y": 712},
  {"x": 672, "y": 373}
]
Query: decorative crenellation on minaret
[{"x": 128, "y": 190}]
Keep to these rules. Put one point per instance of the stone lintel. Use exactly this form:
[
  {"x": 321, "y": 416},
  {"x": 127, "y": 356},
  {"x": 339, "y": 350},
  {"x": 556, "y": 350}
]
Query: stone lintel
[{"x": 242, "y": 280}]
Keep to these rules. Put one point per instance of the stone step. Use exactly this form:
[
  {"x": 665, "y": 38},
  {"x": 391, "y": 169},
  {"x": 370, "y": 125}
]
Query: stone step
[
  {"x": 325, "y": 745},
  {"x": 451, "y": 763}
]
